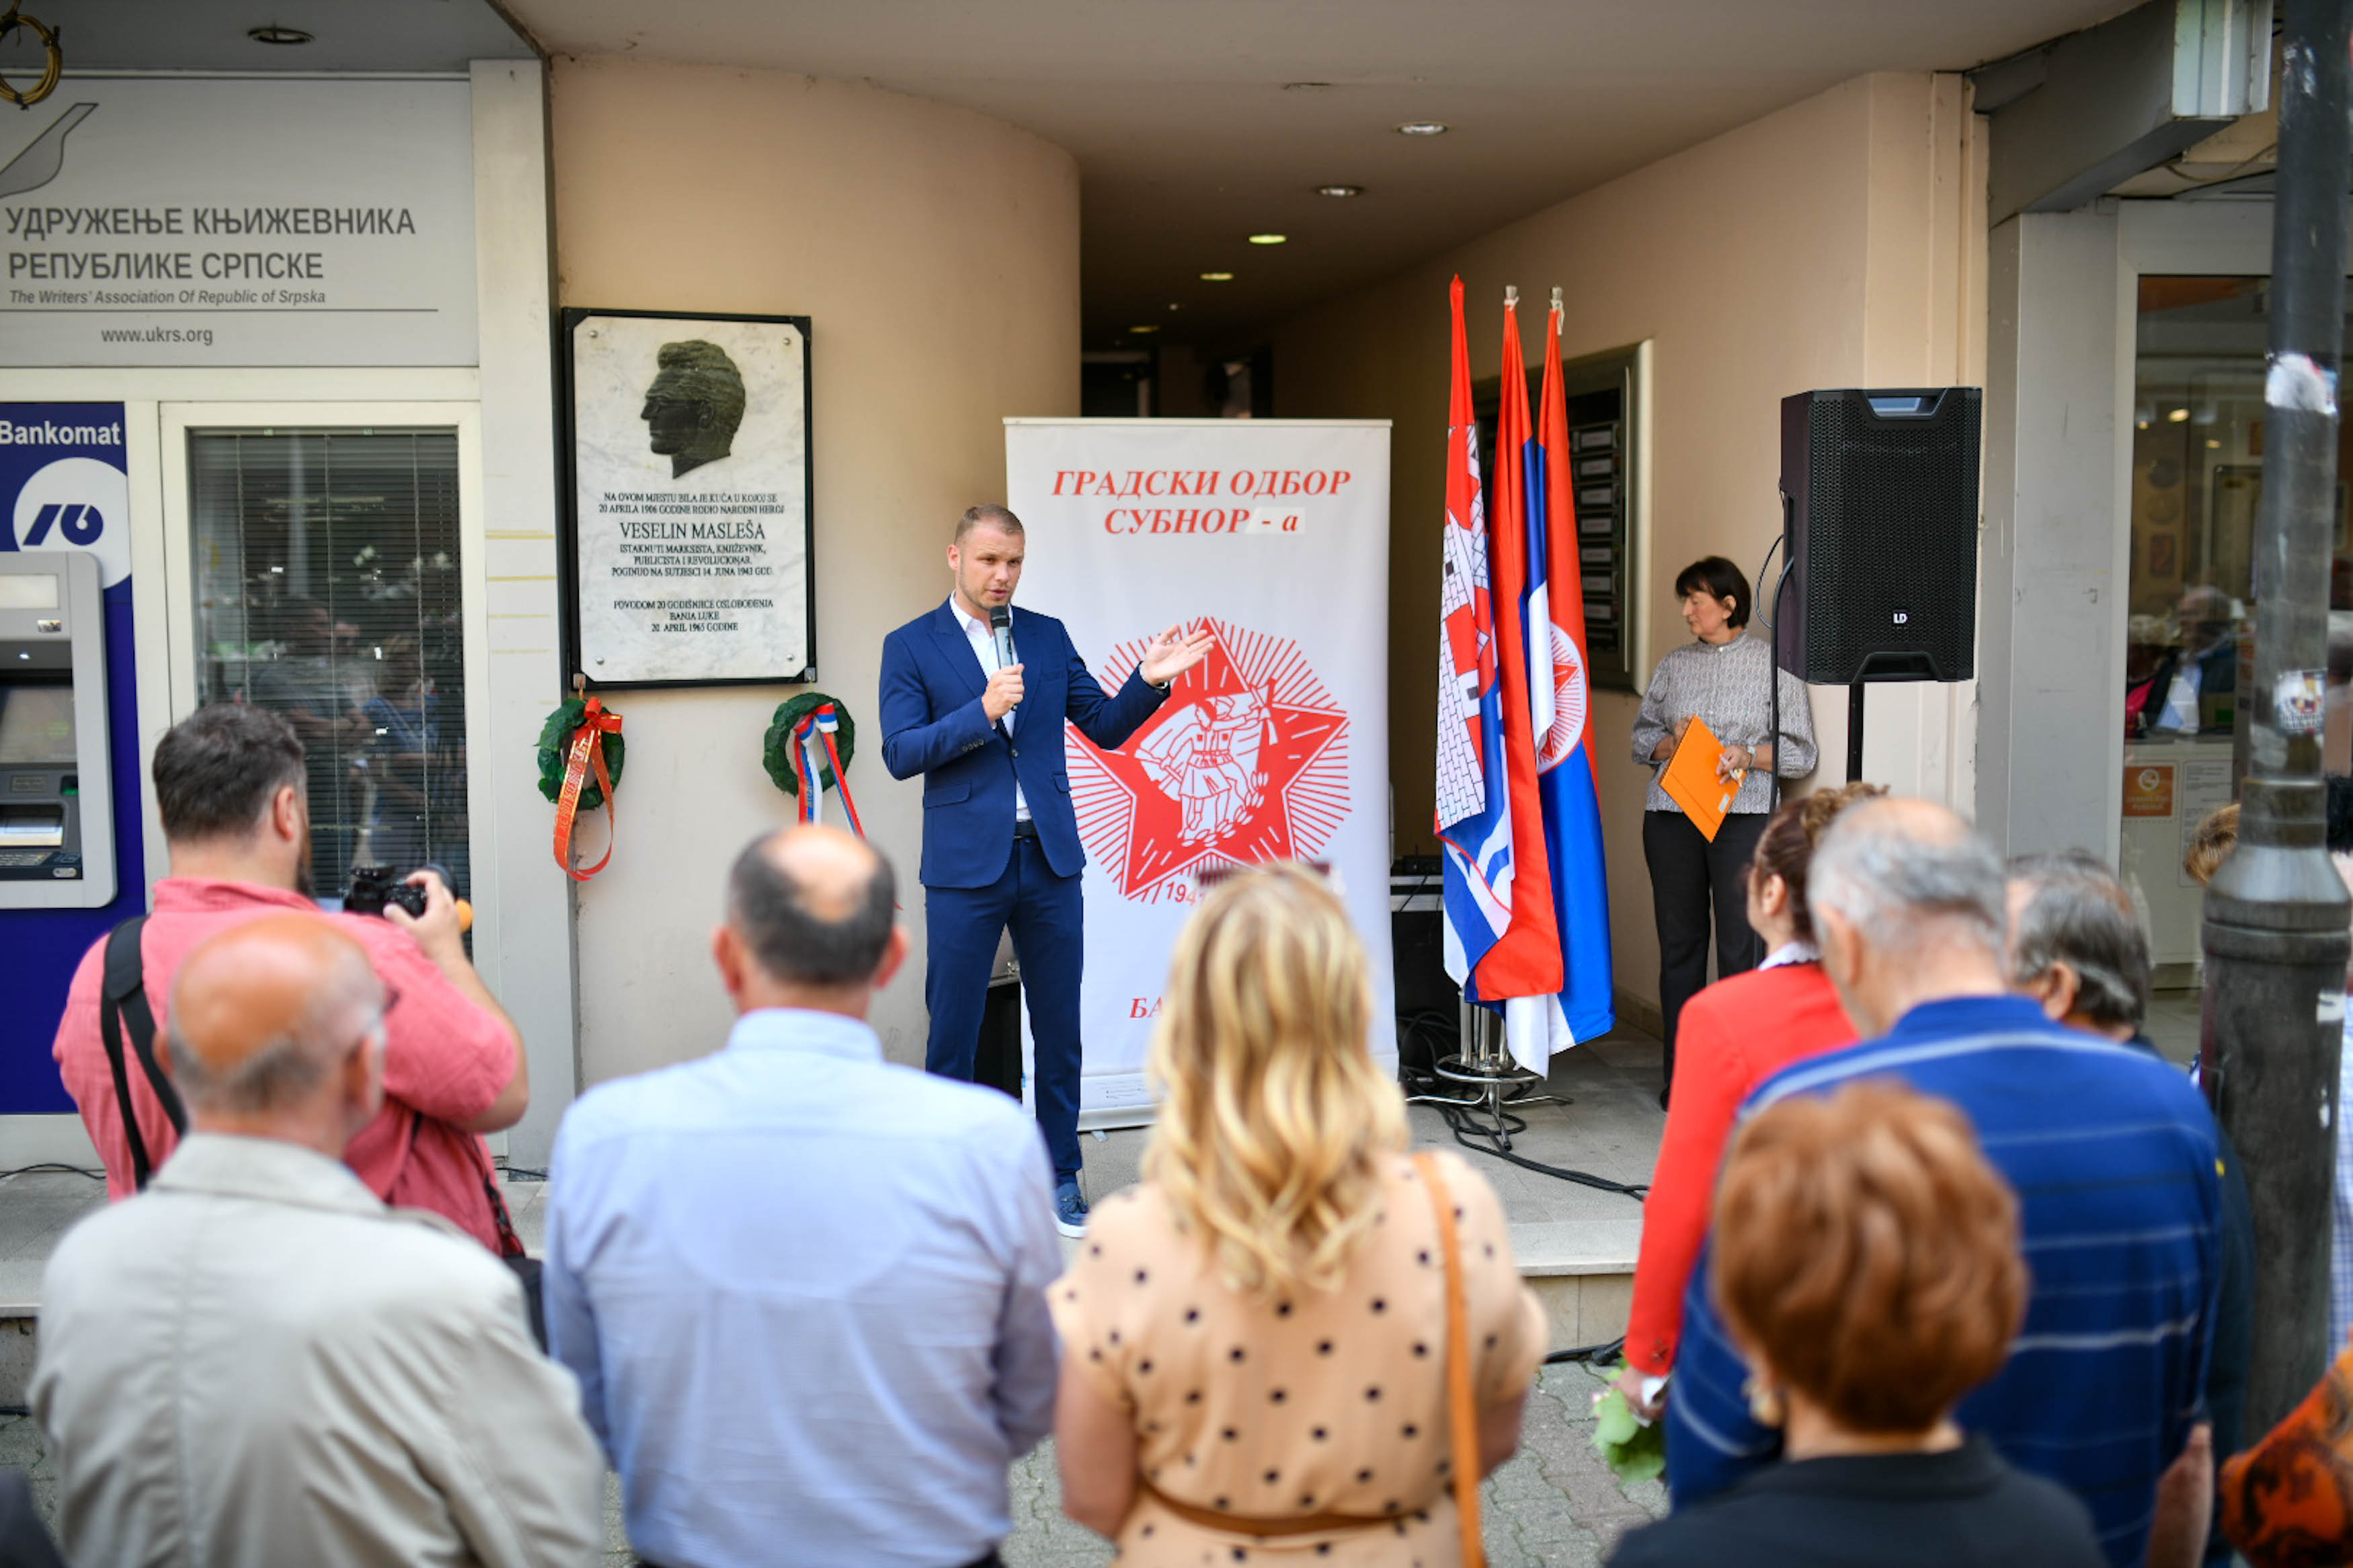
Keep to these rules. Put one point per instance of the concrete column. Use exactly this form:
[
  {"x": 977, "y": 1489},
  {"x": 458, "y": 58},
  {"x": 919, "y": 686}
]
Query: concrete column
[
  {"x": 529, "y": 960},
  {"x": 2049, "y": 741}
]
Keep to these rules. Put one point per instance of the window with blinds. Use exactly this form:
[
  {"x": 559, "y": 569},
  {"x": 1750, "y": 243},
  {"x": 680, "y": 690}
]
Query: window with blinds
[{"x": 325, "y": 565}]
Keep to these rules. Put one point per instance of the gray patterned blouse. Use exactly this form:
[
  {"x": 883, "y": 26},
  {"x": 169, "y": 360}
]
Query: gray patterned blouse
[{"x": 1724, "y": 683}]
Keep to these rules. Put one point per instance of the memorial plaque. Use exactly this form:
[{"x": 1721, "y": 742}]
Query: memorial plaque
[{"x": 687, "y": 546}]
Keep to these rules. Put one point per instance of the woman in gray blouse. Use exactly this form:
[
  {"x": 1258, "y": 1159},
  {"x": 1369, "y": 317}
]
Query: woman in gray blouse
[{"x": 1720, "y": 679}]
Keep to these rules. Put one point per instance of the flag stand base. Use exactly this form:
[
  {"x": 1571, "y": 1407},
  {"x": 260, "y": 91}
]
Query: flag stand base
[{"x": 1486, "y": 1066}]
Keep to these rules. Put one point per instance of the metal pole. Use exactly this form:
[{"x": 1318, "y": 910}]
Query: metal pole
[
  {"x": 2276, "y": 914},
  {"x": 1855, "y": 732}
]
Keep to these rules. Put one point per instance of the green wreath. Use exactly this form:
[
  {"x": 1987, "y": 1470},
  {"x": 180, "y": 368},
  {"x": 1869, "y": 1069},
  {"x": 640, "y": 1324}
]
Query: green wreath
[
  {"x": 776, "y": 748},
  {"x": 555, "y": 744}
]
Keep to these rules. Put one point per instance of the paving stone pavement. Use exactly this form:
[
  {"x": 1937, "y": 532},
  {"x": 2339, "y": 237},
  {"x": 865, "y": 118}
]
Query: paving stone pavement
[{"x": 1553, "y": 1505}]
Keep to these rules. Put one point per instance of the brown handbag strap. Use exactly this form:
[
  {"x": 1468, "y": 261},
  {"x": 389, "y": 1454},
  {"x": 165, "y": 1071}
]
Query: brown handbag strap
[{"x": 1462, "y": 1416}]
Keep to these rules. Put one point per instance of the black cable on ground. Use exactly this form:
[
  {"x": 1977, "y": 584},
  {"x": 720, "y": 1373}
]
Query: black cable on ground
[
  {"x": 52, "y": 1167},
  {"x": 1595, "y": 1355},
  {"x": 518, "y": 1173},
  {"x": 1439, "y": 1035}
]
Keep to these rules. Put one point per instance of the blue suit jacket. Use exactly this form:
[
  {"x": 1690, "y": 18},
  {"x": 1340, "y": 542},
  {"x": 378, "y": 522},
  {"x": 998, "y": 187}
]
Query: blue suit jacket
[{"x": 933, "y": 724}]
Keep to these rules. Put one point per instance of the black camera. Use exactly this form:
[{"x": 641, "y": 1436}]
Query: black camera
[{"x": 373, "y": 887}]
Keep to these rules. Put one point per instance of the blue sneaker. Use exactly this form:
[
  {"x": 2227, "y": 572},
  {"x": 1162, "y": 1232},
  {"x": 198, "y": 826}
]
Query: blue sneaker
[{"x": 1069, "y": 1206}]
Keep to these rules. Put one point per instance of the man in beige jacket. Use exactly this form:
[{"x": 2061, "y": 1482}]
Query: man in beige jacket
[{"x": 256, "y": 1361}]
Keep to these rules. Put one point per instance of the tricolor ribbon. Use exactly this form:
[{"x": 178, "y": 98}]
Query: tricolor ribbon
[
  {"x": 816, "y": 728},
  {"x": 587, "y": 750}
]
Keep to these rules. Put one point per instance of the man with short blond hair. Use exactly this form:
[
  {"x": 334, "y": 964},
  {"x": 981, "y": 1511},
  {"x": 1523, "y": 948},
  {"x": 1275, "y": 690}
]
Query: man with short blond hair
[
  {"x": 254, "y": 1362},
  {"x": 977, "y": 699}
]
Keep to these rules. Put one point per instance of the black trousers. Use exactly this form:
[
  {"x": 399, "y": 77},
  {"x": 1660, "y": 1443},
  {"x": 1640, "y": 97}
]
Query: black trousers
[{"x": 1688, "y": 874}]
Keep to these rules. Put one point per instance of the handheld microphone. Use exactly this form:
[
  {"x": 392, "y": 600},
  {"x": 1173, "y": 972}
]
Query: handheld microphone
[{"x": 1000, "y": 626}]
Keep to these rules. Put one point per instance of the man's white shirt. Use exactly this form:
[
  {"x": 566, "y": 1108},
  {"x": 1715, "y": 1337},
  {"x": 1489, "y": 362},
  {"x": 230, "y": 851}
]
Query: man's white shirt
[{"x": 983, "y": 648}]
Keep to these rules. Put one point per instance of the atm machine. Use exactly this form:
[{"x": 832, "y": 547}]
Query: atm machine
[{"x": 57, "y": 797}]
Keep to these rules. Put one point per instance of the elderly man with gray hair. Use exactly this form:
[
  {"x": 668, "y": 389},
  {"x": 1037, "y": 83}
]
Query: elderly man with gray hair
[
  {"x": 2077, "y": 946},
  {"x": 254, "y": 1362},
  {"x": 2112, "y": 1154}
]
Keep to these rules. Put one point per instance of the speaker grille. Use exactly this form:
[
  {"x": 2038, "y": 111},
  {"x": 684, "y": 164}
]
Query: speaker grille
[{"x": 1889, "y": 538}]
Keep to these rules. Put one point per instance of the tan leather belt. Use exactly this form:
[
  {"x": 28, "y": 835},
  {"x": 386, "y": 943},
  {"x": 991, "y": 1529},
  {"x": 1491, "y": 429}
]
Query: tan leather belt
[{"x": 1259, "y": 1524}]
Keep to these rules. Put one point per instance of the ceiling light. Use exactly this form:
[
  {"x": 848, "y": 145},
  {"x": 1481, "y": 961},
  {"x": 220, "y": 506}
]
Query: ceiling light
[
  {"x": 1339, "y": 190},
  {"x": 274, "y": 33},
  {"x": 2178, "y": 416},
  {"x": 1421, "y": 128},
  {"x": 1146, "y": 327},
  {"x": 1274, "y": 239},
  {"x": 1174, "y": 306},
  {"x": 1217, "y": 277}
]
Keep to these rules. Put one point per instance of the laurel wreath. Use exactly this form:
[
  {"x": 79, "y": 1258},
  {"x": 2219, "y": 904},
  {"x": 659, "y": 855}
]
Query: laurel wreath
[
  {"x": 555, "y": 742},
  {"x": 776, "y": 747}
]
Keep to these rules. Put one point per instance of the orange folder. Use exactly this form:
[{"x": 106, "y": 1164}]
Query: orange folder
[{"x": 1691, "y": 780}]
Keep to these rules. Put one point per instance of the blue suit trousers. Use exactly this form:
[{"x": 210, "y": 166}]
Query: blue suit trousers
[{"x": 1049, "y": 926}]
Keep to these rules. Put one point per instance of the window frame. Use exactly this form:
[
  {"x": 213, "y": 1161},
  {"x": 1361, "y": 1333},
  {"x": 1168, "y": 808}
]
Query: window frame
[{"x": 177, "y": 421}]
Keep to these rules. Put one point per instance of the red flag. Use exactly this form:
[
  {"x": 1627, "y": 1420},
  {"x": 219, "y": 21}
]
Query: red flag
[{"x": 1527, "y": 962}]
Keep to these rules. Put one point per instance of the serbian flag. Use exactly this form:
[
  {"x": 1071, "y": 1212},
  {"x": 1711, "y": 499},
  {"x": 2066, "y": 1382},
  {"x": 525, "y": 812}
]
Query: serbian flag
[
  {"x": 1474, "y": 820},
  {"x": 1586, "y": 1005}
]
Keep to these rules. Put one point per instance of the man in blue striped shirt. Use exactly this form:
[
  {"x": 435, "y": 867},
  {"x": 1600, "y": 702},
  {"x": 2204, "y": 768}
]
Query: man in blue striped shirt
[{"x": 2111, "y": 1151}]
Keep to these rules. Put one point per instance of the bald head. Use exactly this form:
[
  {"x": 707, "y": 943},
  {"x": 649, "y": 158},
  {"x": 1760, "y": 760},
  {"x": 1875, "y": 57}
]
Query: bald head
[
  {"x": 263, "y": 1014},
  {"x": 813, "y": 906},
  {"x": 1908, "y": 873}
]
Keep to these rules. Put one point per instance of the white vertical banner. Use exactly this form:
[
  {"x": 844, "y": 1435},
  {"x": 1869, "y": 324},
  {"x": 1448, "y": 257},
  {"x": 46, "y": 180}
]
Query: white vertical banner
[{"x": 1274, "y": 535}]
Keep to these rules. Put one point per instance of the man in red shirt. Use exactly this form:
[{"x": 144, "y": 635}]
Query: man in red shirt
[{"x": 231, "y": 789}]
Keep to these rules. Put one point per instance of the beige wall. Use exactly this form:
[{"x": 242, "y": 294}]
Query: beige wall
[
  {"x": 1837, "y": 243},
  {"x": 936, "y": 253}
]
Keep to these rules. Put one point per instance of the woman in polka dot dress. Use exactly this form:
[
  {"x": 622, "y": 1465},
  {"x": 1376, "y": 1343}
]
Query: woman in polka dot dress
[{"x": 1254, "y": 1340}]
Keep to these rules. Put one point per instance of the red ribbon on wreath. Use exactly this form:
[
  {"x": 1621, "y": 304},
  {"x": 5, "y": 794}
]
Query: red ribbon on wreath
[{"x": 587, "y": 749}]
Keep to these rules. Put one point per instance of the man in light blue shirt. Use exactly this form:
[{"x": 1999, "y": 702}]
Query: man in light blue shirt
[{"x": 803, "y": 1289}]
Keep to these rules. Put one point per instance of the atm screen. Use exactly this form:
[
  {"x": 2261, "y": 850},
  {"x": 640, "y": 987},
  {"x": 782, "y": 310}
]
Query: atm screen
[{"x": 36, "y": 724}]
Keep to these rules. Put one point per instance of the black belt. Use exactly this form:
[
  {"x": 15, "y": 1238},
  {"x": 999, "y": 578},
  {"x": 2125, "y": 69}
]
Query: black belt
[{"x": 1024, "y": 828}]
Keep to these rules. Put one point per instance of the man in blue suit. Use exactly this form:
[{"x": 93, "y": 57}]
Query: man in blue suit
[{"x": 1000, "y": 842}]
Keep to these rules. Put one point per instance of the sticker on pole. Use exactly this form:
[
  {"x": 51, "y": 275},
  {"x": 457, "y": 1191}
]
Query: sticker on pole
[{"x": 2297, "y": 702}]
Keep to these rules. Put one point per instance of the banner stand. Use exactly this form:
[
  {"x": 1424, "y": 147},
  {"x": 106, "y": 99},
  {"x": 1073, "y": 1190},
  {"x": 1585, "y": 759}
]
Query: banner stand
[{"x": 1272, "y": 534}]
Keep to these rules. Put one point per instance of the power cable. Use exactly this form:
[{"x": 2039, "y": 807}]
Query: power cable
[{"x": 1422, "y": 1085}]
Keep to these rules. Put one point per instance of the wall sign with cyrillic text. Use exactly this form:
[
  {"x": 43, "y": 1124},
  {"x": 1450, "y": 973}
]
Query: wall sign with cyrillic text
[
  {"x": 687, "y": 544},
  {"x": 238, "y": 222}
]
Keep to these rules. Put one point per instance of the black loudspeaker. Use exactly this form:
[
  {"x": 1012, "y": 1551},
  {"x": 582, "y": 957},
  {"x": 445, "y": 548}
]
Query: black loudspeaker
[{"x": 1880, "y": 492}]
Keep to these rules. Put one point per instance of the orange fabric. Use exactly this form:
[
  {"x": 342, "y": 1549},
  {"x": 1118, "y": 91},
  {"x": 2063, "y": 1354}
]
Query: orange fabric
[
  {"x": 1733, "y": 1037},
  {"x": 2288, "y": 1501}
]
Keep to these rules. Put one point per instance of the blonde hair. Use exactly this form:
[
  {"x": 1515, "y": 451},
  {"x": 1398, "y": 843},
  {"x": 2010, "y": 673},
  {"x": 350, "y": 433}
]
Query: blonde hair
[{"x": 1273, "y": 1118}]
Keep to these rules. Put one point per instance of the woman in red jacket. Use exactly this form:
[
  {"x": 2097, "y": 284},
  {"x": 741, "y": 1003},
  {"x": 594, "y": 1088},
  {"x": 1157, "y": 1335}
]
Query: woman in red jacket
[{"x": 1733, "y": 1035}]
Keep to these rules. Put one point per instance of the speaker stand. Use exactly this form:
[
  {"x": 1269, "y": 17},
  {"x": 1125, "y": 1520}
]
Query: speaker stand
[{"x": 1855, "y": 732}]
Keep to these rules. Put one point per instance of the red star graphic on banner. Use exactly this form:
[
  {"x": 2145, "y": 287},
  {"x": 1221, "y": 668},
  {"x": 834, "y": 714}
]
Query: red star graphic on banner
[{"x": 1244, "y": 762}]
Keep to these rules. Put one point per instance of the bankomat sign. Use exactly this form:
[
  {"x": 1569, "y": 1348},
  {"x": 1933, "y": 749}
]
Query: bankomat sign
[
  {"x": 71, "y": 502},
  {"x": 71, "y": 846}
]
